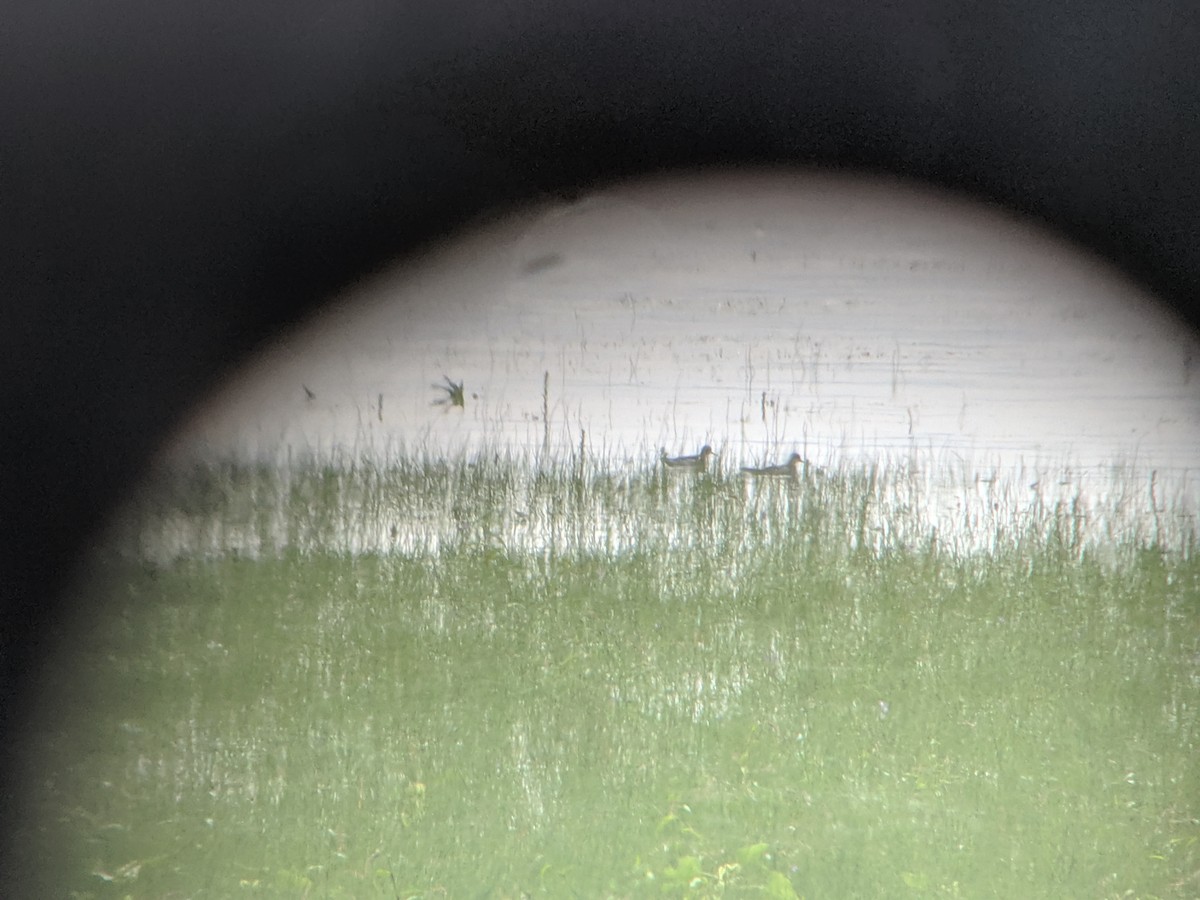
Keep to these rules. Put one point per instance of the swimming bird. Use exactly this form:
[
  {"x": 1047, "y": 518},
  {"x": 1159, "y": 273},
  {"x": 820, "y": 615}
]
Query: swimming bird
[
  {"x": 697, "y": 463},
  {"x": 789, "y": 469}
]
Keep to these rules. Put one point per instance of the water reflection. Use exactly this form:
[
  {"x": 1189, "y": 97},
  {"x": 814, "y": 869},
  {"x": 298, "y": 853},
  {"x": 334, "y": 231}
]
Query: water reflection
[{"x": 763, "y": 315}]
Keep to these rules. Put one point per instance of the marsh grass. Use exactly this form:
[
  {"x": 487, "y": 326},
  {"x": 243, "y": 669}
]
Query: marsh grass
[
  {"x": 490, "y": 676},
  {"x": 418, "y": 505}
]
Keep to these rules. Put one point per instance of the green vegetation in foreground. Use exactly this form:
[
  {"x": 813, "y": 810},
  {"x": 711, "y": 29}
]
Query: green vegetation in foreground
[{"x": 746, "y": 700}]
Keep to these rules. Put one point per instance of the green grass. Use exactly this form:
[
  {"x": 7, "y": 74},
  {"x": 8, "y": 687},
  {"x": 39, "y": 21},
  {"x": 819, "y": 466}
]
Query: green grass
[{"x": 491, "y": 680}]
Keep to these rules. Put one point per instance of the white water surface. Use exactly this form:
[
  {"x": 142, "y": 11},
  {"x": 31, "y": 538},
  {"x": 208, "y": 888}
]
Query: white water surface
[{"x": 761, "y": 313}]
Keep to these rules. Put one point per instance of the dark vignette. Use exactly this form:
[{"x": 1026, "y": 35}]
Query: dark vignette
[{"x": 179, "y": 180}]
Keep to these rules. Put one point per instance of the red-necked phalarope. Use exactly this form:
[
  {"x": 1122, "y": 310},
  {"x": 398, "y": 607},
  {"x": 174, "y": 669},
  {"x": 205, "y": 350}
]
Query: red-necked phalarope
[
  {"x": 697, "y": 463},
  {"x": 789, "y": 469}
]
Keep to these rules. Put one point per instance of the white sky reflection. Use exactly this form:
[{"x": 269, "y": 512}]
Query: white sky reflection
[{"x": 759, "y": 313}]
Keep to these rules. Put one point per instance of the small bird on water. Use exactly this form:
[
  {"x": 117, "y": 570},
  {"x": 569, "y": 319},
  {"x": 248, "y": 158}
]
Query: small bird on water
[
  {"x": 697, "y": 463},
  {"x": 789, "y": 469}
]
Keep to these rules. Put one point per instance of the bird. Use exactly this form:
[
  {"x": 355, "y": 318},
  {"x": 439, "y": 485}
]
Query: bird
[
  {"x": 697, "y": 463},
  {"x": 789, "y": 469}
]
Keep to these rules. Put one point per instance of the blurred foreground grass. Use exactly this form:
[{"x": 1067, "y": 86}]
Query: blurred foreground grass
[{"x": 486, "y": 678}]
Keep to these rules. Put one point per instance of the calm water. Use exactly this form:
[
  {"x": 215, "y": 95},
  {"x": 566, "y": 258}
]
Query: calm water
[
  {"x": 759, "y": 314},
  {"x": 855, "y": 322}
]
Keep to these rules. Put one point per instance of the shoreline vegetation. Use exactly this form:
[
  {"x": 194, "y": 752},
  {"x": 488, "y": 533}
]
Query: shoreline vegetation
[
  {"x": 522, "y": 504},
  {"x": 509, "y": 676}
]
